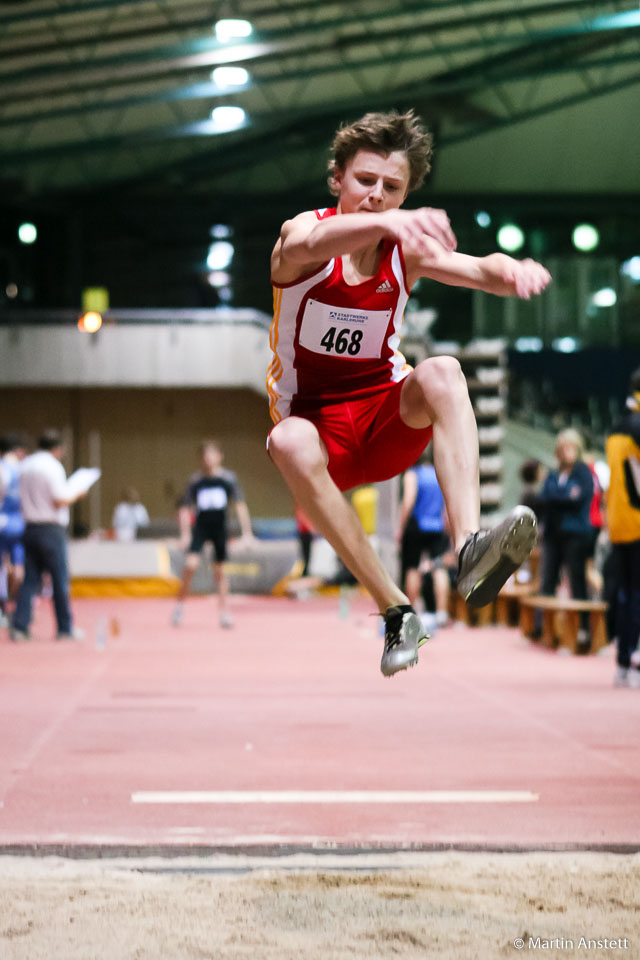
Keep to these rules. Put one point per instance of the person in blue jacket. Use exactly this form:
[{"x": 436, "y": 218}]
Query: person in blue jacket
[
  {"x": 13, "y": 449},
  {"x": 567, "y": 531}
]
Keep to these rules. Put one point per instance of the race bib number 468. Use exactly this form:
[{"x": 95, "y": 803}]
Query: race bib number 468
[{"x": 342, "y": 331}]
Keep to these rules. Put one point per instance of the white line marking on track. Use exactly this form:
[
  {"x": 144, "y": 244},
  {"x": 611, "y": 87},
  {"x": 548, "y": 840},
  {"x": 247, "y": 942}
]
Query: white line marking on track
[{"x": 333, "y": 796}]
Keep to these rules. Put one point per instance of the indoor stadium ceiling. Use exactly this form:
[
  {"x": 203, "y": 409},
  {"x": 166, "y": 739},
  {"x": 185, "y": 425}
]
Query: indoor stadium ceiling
[{"x": 534, "y": 95}]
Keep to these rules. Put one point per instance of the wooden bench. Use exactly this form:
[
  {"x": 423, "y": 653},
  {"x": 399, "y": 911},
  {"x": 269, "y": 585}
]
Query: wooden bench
[
  {"x": 460, "y": 610},
  {"x": 561, "y": 620},
  {"x": 507, "y": 603}
]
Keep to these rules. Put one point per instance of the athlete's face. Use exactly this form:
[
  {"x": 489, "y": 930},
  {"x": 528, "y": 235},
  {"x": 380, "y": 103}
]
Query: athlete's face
[
  {"x": 211, "y": 458},
  {"x": 372, "y": 182}
]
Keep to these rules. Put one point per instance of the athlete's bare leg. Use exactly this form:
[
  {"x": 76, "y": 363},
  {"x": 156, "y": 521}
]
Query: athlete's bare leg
[
  {"x": 412, "y": 584},
  {"x": 190, "y": 566},
  {"x": 441, "y": 591},
  {"x": 300, "y": 455},
  {"x": 436, "y": 393},
  {"x": 222, "y": 583}
]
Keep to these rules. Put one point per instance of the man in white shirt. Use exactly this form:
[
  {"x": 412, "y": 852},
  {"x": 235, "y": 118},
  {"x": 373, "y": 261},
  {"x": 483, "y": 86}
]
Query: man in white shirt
[{"x": 45, "y": 507}]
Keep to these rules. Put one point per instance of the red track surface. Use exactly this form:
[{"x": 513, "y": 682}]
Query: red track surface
[{"x": 292, "y": 699}]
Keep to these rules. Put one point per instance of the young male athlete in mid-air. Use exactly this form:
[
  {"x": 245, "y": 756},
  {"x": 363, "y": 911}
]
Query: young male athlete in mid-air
[{"x": 346, "y": 407}]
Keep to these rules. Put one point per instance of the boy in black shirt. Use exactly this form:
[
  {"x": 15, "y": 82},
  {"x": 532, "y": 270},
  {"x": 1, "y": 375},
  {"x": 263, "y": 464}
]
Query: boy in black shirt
[{"x": 207, "y": 497}]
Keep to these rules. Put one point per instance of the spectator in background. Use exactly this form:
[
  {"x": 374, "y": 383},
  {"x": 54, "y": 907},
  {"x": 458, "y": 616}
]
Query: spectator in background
[
  {"x": 601, "y": 475},
  {"x": 602, "y": 577},
  {"x": 532, "y": 477},
  {"x": 128, "y": 515},
  {"x": 13, "y": 449},
  {"x": 207, "y": 497},
  {"x": 422, "y": 526},
  {"x": 45, "y": 507},
  {"x": 567, "y": 533},
  {"x": 623, "y": 517},
  {"x": 599, "y": 546}
]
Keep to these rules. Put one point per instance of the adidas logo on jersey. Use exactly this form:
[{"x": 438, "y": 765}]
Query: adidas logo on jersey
[{"x": 385, "y": 287}]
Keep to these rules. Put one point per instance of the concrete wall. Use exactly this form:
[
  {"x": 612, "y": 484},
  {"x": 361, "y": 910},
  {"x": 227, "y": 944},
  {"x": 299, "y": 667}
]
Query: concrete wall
[{"x": 210, "y": 354}]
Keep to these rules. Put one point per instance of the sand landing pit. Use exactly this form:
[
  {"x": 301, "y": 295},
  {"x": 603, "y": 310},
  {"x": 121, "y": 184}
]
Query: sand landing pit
[{"x": 453, "y": 906}]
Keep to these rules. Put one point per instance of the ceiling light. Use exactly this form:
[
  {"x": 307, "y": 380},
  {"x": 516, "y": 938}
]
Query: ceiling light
[
  {"x": 510, "y": 237},
  {"x": 566, "y": 344},
  {"x": 220, "y": 255},
  {"x": 27, "y": 233},
  {"x": 585, "y": 237},
  {"x": 219, "y": 278},
  {"x": 228, "y": 118},
  {"x": 631, "y": 268},
  {"x": 227, "y": 30},
  {"x": 220, "y": 231},
  {"x": 483, "y": 219},
  {"x": 606, "y": 297},
  {"x": 528, "y": 344},
  {"x": 230, "y": 77}
]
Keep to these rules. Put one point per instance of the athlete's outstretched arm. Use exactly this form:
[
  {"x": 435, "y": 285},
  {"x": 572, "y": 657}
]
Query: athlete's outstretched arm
[
  {"x": 244, "y": 518},
  {"x": 496, "y": 273},
  {"x": 306, "y": 242},
  {"x": 184, "y": 523}
]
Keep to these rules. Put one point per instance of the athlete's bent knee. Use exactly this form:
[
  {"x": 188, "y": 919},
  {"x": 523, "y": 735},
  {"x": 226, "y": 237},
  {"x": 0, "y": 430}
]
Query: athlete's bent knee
[
  {"x": 440, "y": 377},
  {"x": 295, "y": 441}
]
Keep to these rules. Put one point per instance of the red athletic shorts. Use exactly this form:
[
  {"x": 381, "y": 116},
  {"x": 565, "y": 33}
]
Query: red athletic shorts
[{"x": 366, "y": 439}]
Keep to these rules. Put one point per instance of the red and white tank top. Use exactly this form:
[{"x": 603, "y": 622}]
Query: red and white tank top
[{"x": 333, "y": 341}]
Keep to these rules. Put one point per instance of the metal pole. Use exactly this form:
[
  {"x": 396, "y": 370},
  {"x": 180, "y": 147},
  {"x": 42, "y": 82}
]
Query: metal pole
[{"x": 94, "y": 493}]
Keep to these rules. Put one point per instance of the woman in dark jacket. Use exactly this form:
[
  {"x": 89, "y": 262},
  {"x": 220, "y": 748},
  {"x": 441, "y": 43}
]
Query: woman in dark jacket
[{"x": 566, "y": 501}]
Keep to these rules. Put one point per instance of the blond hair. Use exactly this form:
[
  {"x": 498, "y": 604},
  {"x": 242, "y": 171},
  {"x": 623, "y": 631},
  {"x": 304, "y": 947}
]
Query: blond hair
[
  {"x": 383, "y": 133},
  {"x": 570, "y": 435}
]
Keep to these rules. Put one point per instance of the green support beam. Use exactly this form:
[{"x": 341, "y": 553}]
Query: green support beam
[
  {"x": 231, "y": 152},
  {"x": 73, "y": 10},
  {"x": 352, "y": 105},
  {"x": 280, "y": 39},
  {"x": 455, "y": 82},
  {"x": 560, "y": 104}
]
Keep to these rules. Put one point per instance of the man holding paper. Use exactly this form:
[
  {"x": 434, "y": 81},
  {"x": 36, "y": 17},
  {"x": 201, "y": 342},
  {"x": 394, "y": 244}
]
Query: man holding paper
[{"x": 46, "y": 497}]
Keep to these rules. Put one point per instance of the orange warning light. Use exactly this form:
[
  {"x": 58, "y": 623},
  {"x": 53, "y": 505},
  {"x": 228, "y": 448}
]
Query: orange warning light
[{"x": 90, "y": 322}]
